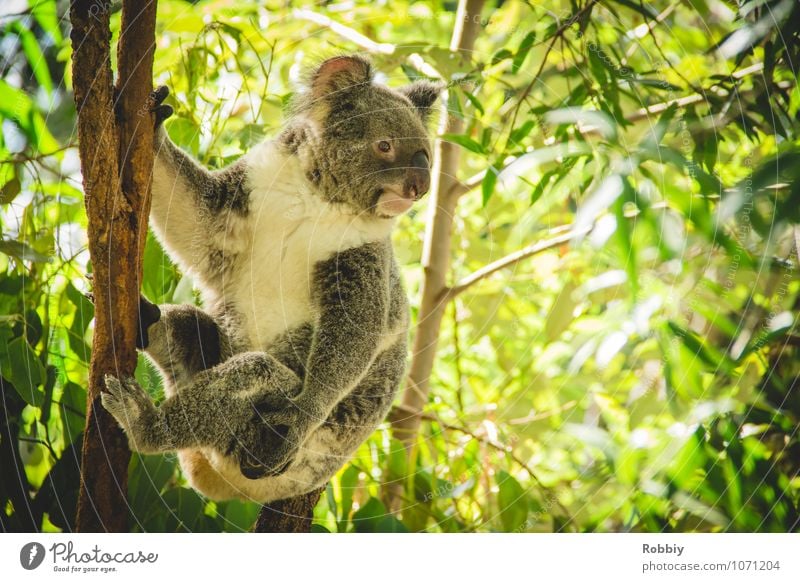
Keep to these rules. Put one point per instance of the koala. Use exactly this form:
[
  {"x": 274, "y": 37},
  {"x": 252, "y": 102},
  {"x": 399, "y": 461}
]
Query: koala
[{"x": 301, "y": 345}]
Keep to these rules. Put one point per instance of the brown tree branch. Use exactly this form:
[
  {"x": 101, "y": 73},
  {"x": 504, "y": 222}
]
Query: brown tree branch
[
  {"x": 115, "y": 146},
  {"x": 288, "y": 515}
]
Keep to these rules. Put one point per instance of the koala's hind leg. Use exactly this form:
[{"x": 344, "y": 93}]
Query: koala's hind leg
[
  {"x": 216, "y": 409},
  {"x": 315, "y": 460},
  {"x": 182, "y": 340}
]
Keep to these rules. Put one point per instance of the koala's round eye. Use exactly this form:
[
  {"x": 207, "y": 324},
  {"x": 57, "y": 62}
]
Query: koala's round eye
[{"x": 384, "y": 146}]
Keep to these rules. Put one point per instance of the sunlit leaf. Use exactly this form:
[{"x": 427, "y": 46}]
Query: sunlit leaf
[{"x": 512, "y": 501}]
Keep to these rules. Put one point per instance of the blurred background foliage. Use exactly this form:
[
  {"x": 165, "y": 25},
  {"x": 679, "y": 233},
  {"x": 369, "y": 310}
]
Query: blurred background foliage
[{"x": 638, "y": 374}]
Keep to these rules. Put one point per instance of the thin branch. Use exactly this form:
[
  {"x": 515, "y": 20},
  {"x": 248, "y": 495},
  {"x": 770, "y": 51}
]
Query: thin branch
[
  {"x": 514, "y": 258},
  {"x": 642, "y": 30},
  {"x": 556, "y": 35},
  {"x": 561, "y": 235},
  {"x": 460, "y": 188},
  {"x": 505, "y": 449},
  {"x": 23, "y": 157}
]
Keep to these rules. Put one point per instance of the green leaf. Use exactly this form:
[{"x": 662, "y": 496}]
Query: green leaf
[
  {"x": 148, "y": 476},
  {"x": 521, "y": 132},
  {"x": 623, "y": 235},
  {"x": 587, "y": 118},
  {"x": 46, "y": 14},
  {"x": 522, "y": 51},
  {"x": 398, "y": 459},
  {"x": 19, "y": 108},
  {"x": 36, "y": 60},
  {"x": 701, "y": 348},
  {"x": 58, "y": 496},
  {"x": 20, "y": 250},
  {"x": 184, "y": 510},
  {"x": 240, "y": 515},
  {"x": 367, "y": 518},
  {"x": 348, "y": 481},
  {"x": 9, "y": 190},
  {"x": 488, "y": 184},
  {"x": 84, "y": 312},
  {"x": 598, "y": 201},
  {"x": 501, "y": 55},
  {"x": 390, "y": 524},
  {"x": 25, "y": 371},
  {"x": 513, "y": 502},
  {"x": 454, "y": 105},
  {"x": 465, "y": 142},
  {"x": 72, "y": 407},
  {"x": 653, "y": 138},
  {"x": 184, "y": 132},
  {"x": 642, "y": 9},
  {"x": 474, "y": 100},
  {"x": 531, "y": 161}
]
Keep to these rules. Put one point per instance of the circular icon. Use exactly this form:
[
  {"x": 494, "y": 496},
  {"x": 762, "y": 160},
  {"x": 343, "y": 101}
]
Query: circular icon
[{"x": 31, "y": 555}]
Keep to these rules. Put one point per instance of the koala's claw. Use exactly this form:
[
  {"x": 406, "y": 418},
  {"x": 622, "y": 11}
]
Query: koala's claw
[
  {"x": 282, "y": 429},
  {"x": 149, "y": 313},
  {"x": 161, "y": 111},
  {"x": 159, "y": 94},
  {"x": 125, "y": 400}
]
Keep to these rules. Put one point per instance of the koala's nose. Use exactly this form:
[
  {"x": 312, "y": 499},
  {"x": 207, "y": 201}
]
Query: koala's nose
[
  {"x": 419, "y": 176},
  {"x": 420, "y": 160}
]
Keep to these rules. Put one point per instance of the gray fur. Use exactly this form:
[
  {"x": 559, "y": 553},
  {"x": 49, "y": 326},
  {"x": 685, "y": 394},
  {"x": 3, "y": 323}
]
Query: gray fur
[{"x": 289, "y": 412}]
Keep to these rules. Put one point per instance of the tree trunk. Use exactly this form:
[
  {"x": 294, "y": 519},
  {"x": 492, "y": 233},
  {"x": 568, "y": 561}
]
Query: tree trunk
[
  {"x": 288, "y": 515},
  {"x": 115, "y": 134},
  {"x": 436, "y": 252}
]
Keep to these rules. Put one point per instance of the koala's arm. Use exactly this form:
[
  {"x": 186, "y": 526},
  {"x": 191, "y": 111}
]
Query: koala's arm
[
  {"x": 186, "y": 197},
  {"x": 351, "y": 292}
]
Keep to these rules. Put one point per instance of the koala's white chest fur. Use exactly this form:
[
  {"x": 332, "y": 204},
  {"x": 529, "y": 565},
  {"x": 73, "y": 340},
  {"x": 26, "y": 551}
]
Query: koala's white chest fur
[{"x": 287, "y": 230}]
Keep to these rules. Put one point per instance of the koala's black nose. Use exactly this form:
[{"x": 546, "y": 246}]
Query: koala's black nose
[
  {"x": 418, "y": 176},
  {"x": 420, "y": 160}
]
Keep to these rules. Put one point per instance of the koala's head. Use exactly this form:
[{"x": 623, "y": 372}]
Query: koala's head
[{"x": 369, "y": 146}]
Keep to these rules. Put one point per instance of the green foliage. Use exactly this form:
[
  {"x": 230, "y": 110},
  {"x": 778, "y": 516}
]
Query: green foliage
[{"x": 639, "y": 376}]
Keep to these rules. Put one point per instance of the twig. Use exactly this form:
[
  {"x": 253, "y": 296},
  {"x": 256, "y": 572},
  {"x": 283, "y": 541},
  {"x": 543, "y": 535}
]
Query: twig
[
  {"x": 22, "y": 157},
  {"x": 508, "y": 450},
  {"x": 512, "y": 259},
  {"x": 641, "y": 30},
  {"x": 572, "y": 19}
]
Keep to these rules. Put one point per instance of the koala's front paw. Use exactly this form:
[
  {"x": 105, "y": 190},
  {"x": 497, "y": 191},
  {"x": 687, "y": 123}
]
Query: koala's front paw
[
  {"x": 161, "y": 111},
  {"x": 280, "y": 427},
  {"x": 132, "y": 408}
]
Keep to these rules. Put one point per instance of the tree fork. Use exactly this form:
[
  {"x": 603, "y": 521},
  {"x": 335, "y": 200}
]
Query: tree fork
[{"x": 115, "y": 133}]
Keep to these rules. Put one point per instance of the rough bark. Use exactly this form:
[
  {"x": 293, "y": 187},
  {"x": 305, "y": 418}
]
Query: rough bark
[
  {"x": 436, "y": 253},
  {"x": 288, "y": 515},
  {"x": 115, "y": 146}
]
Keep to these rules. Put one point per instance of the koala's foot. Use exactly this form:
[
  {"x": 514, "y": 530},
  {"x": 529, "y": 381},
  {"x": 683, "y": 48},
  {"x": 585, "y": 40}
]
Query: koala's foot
[
  {"x": 135, "y": 412},
  {"x": 278, "y": 430},
  {"x": 149, "y": 313},
  {"x": 161, "y": 111}
]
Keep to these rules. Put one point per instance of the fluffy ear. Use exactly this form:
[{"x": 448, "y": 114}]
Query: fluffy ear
[
  {"x": 340, "y": 73},
  {"x": 422, "y": 95}
]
